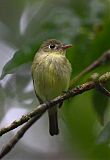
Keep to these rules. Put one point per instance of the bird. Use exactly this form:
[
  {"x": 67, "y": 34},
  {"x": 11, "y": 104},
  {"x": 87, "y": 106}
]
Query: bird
[{"x": 51, "y": 73}]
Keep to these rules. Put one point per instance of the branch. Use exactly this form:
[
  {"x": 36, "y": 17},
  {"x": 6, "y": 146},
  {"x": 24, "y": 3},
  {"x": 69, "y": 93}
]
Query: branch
[{"x": 39, "y": 111}]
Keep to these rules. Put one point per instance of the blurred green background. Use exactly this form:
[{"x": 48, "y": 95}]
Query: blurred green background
[{"x": 24, "y": 25}]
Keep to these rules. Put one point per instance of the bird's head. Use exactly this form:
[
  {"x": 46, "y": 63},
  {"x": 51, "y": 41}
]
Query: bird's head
[{"x": 54, "y": 46}]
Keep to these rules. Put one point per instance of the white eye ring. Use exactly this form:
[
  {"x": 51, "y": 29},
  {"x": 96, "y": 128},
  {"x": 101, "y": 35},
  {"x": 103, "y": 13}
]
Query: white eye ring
[{"x": 52, "y": 46}]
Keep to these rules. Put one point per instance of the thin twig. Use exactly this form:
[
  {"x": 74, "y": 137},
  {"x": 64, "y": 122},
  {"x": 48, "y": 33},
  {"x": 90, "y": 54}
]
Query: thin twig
[
  {"x": 101, "y": 60},
  {"x": 100, "y": 87}
]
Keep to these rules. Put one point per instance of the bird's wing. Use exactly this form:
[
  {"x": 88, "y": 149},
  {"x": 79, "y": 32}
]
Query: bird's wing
[{"x": 39, "y": 99}]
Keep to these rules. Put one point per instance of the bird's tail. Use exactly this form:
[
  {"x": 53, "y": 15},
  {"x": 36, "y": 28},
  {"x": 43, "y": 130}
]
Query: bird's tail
[{"x": 53, "y": 121}]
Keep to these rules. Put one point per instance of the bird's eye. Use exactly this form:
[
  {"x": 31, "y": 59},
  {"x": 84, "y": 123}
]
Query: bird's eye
[{"x": 52, "y": 46}]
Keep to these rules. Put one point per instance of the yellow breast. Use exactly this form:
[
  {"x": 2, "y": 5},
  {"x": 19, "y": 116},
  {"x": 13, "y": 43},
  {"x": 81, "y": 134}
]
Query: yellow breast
[{"x": 51, "y": 75}]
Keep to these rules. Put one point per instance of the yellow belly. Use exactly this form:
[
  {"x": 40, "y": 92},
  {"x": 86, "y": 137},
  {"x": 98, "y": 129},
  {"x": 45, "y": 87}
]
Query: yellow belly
[{"x": 51, "y": 75}]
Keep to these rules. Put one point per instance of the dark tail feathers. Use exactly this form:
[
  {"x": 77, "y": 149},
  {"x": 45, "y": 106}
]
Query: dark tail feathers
[{"x": 53, "y": 122}]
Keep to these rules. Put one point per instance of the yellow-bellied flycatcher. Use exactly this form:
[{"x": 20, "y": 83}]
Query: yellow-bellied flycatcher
[{"x": 51, "y": 73}]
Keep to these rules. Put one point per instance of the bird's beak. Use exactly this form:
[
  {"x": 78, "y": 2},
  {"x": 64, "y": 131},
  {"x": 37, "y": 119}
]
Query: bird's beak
[{"x": 66, "y": 46}]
